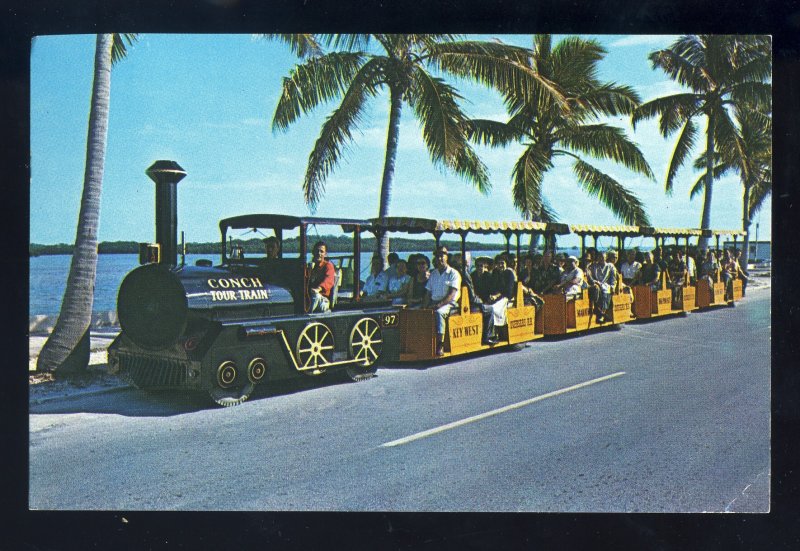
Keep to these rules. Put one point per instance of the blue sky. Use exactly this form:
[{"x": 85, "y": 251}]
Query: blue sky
[{"x": 206, "y": 101}]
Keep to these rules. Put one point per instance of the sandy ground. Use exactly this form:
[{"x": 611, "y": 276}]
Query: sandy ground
[{"x": 45, "y": 387}]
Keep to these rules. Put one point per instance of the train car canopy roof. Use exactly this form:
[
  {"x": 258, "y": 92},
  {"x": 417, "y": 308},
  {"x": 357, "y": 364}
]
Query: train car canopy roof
[
  {"x": 286, "y": 222},
  {"x": 429, "y": 225}
]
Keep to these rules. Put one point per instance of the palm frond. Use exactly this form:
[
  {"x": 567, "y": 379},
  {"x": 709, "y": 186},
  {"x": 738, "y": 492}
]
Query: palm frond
[
  {"x": 609, "y": 99},
  {"x": 573, "y": 63},
  {"x": 491, "y": 133},
  {"x": 337, "y": 131},
  {"x": 759, "y": 193},
  {"x": 470, "y": 168},
  {"x": 699, "y": 186},
  {"x": 756, "y": 94},
  {"x": 622, "y": 203},
  {"x": 347, "y": 42},
  {"x": 118, "y": 49},
  {"x": 683, "y": 148},
  {"x": 527, "y": 177},
  {"x": 673, "y": 110},
  {"x": 679, "y": 69},
  {"x": 606, "y": 142},
  {"x": 498, "y": 66},
  {"x": 435, "y": 104},
  {"x": 302, "y": 45},
  {"x": 317, "y": 80}
]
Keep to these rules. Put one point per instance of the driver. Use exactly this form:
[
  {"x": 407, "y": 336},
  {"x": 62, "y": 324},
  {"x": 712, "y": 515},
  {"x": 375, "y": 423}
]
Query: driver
[{"x": 321, "y": 279}]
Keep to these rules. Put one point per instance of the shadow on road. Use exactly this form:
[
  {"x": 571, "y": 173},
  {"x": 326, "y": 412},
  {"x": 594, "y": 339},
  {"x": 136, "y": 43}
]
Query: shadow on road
[{"x": 132, "y": 402}]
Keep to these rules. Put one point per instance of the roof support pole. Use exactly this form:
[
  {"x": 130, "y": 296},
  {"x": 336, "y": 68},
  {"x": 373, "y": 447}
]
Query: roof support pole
[
  {"x": 519, "y": 262},
  {"x": 279, "y": 237},
  {"x": 583, "y": 245},
  {"x": 437, "y": 235},
  {"x": 357, "y": 263},
  {"x": 464, "y": 250}
]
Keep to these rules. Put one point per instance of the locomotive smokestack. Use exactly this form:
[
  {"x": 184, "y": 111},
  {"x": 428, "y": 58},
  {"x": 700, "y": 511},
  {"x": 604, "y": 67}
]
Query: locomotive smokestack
[{"x": 166, "y": 175}]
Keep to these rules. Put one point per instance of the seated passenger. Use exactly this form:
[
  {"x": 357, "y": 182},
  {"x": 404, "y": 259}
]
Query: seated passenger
[
  {"x": 321, "y": 279},
  {"x": 475, "y": 301},
  {"x": 528, "y": 279},
  {"x": 419, "y": 281},
  {"x": 482, "y": 277},
  {"x": 392, "y": 259},
  {"x": 503, "y": 283},
  {"x": 603, "y": 277},
  {"x": 741, "y": 273},
  {"x": 691, "y": 265},
  {"x": 550, "y": 275},
  {"x": 630, "y": 268},
  {"x": 678, "y": 278},
  {"x": 709, "y": 269},
  {"x": 572, "y": 279},
  {"x": 729, "y": 273},
  {"x": 271, "y": 247},
  {"x": 443, "y": 290},
  {"x": 377, "y": 282},
  {"x": 650, "y": 274},
  {"x": 397, "y": 288},
  {"x": 611, "y": 258}
]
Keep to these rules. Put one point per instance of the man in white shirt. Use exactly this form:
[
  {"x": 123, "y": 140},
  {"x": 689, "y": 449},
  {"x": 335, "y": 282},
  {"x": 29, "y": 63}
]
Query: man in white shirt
[
  {"x": 630, "y": 268},
  {"x": 378, "y": 281},
  {"x": 444, "y": 288}
]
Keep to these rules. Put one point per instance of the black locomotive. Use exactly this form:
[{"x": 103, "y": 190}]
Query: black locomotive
[{"x": 226, "y": 329}]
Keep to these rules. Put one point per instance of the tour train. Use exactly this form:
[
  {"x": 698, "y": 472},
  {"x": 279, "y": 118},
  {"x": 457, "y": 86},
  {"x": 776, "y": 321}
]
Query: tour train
[{"x": 226, "y": 329}]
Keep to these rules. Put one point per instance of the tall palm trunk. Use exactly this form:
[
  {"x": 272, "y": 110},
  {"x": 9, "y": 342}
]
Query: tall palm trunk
[
  {"x": 72, "y": 327},
  {"x": 746, "y": 226},
  {"x": 705, "y": 222},
  {"x": 392, "y": 136}
]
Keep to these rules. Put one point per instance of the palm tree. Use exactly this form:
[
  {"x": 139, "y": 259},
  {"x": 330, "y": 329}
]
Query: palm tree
[
  {"x": 67, "y": 348},
  {"x": 406, "y": 66},
  {"x": 720, "y": 71},
  {"x": 550, "y": 129},
  {"x": 751, "y": 159}
]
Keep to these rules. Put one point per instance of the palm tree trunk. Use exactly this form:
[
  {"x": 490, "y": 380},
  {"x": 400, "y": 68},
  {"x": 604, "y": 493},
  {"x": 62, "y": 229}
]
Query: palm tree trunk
[
  {"x": 746, "y": 227},
  {"x": 705, "y": 222},
  {"x": 72, "y": 327},
  {"x": 392, "y": 136}
]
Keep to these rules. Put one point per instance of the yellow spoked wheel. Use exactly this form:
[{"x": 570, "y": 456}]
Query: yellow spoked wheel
[
  {"x": 366, "y": 344},
  {"x": 314, "y": 348}
]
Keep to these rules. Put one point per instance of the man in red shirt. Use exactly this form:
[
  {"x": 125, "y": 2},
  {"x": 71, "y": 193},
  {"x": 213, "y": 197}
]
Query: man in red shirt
[{"x": 321, "y": 279}]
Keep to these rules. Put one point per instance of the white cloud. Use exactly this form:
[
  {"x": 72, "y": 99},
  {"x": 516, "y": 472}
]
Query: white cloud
[{"x": 644, "y": 40}]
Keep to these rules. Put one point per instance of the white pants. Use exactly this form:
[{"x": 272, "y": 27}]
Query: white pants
[{"x": 499, "y": 311}]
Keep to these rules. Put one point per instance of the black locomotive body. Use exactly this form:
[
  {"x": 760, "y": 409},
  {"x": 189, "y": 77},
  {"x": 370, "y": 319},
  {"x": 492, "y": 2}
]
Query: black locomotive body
[{"x": 226, "y": 329}]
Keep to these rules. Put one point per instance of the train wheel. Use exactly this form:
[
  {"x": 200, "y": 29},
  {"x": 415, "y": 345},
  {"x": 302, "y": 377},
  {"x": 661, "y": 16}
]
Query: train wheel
[
  {"x": 366, "y": 344},
  {"x": 314, "y": 348},
  {"x": 232, "y": 387}
]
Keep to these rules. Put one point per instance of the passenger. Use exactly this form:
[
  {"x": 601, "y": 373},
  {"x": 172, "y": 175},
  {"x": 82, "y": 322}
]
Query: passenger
[
  {"x": 741, "y": 273},
  {"x": 271, "y": 247},
  {"x": 321, "y": 279},
  {"x": 533, "y": 266},
  {"x": 611, "y": 258},
  {"x": 709, "y": 269},
  {"x": 572, "y": 279},
  {"x": 378, "y": 281},
  {"x": 391, "y": 271},
  {"x": 482, "y": 277},
  {"x": 443, "y": 290},
  {"x": 651, "y": 273},
  {"x": 527, "y": 267},
  {"x": 419, "y": 281},
  {"x": 502, "y": 291},
  {"x": 475, "y": 302},
  {"x": 691, "y": 265},
  {"x": 658, "y": 259},
  {"x": 397, "y": 288},
  {"x": 729, "y": 273},
  {"x": 678, "y": 275},
  {"x": 603, "y": 276},
  {"x": 630, "y": 268},
  {"x": 550, "y": 276}
]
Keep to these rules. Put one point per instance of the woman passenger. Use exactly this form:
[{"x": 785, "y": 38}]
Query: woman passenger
[
  {"x": 398, "y": 284},
  {"x": 709, "y": 269},
  {"x": 417, "y": 290}
]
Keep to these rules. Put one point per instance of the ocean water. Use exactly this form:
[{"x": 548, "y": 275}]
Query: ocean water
[{"x": 48, "y": 278}]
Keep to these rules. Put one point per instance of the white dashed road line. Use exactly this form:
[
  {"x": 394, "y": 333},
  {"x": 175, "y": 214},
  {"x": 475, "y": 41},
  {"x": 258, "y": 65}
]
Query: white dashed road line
[{"x": 455, "y": 424}]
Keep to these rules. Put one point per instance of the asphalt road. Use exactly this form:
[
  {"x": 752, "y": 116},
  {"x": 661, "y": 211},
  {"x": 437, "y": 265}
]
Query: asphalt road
[{"x": 667, "y": 416}]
